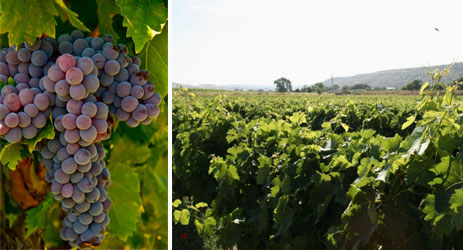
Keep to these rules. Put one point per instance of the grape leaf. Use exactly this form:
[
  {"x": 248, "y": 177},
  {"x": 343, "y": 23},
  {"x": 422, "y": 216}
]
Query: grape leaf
[
  {"x": 106, "y": 10},
  {"x": 37, "y": 217},
  {"x": 25, "y": 20},
  {"x": 456, "y": 200},
  {"x": 184, "y": 217},
  {"x": 10, "y": 155},
  {"x": 139, "y": 153},
  {"x": 48, "y": 132},
  {"x": 154, "y": 59},
  {"x": 143, "y": 19},
  {"x": 124, "y": 193},
  {"x": 71, "y": 16}
]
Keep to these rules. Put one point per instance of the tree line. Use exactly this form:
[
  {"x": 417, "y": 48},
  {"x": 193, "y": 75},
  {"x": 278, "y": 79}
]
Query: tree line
[{"x": 284, "y": 85}]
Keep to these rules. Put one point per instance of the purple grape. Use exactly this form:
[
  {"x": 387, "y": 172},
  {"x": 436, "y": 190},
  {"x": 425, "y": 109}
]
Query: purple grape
[
  {"x": 88, "y": 135},
  {"x": 74, "y": 75},
  {"x": 108, "y": 97},
  {"x": 35, "y": 71},
  {"x": 11, "y": 58},
  {"x": 48, "y": 84},
  {"x": 100, "y": 124},
  {"x": 24, "y": 120},
  {"x": 122, "y": 115},
  {"x": 12, "y": 101},
  {"x": 129, "y": 103},
  {"x": 21, "y": 78},
  {"x": 74, "y": 106},
  {"x": 102, "y": 111},
  {"x": 24, "y": 55},
  {"x": 86, "y": 65},
  {"x": 26, "y": 96},
  {"x": 96, "y": 209},
  {"x": 55, "y": 73},
  {"x": 39, "y": 121},
  {"x": 84, "y": 206},
  {"x": 47, "y": 48},
  {"x": 85, "y": 219},
  {"x": 41, "y": 101},
  {"x": 65, "y": 47},
  {"x": 12, "y": 120},
  {"x": 69, "y": 166},
  {"x": 23, "y": 68},
  {"x": 67, "y": 190},
  {"x": 93, "y": 196},
  {"x": 61, "y": 177},
  {"x": 66, "y": 62},
  {"x": 83, "y": 122},
  {"x": 62, "y": 88},
  {"x": 137, "y": 92},
  {"x": 29, "y": 132},
  {"x": 123, "y": 89},
  {"x": 56, "y": 187},
  {"x": 99, "y": 60},
  {"x": 85, "y": 185},
  {"x": 89, "y": 109},
  {"x": 111, "y": 52},
  {"x": 79, "y": 45},
  {"x": 39, "y": 58},
  {"x": 82, "y": 156},
  {"x": 77, "y": 195},
  {"x": 72, "y": 136},
  {"x": 33, "y": 47},
  {"x": 77, "y": 92},
  {"x": 76, "y": 177},
  {"x": 112, "y": 67}
]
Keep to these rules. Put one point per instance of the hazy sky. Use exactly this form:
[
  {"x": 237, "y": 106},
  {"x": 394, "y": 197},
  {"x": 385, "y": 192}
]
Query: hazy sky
[{"x": 256, "y": 41}]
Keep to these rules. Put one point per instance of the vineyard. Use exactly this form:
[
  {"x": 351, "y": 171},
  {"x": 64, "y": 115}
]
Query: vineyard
[
  {"x": 318, "y": 172},
  {"x": 83, "y": 124}
]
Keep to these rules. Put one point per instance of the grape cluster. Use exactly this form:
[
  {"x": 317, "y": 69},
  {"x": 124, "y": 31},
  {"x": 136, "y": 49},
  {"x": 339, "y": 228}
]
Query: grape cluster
[
  {"x": 79, "y": 81},
  {"x": 79, "y": 179}
]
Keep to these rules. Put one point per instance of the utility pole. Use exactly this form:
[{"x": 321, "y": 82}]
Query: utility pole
[{"x": 332, "y": 84}]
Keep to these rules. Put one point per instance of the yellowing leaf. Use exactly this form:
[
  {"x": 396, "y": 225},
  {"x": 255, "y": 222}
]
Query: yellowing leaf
[
  {"x": 10, "y": 155},
  {"x": 71, "y": 16},
  {"x": 25, "y": 20},
  {"x": 143, "y": 19},
  {"x": 409, "y": 122},
  {"x": 154, "y": 59}
]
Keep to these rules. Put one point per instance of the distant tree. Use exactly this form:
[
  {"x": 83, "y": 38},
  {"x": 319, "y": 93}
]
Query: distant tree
[
  {"x": 306, "y": 89},
  {"x": 260, "y": 90},
  {"x": 335, "y": 87},
  {"x": 297, "y": 90},
  {"x": 283, "y": 85},
  {"x": 413, "y": 85},
  {"x": 361, "y": 86},
  {"x": 345, "y": 88},
  {"x": 319, "y": 87}
]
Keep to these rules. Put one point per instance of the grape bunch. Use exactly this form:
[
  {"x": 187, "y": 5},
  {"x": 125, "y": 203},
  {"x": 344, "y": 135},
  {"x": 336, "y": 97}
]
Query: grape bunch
[
  {"x": 79, "y": 179},
  {"x": 80, "y": 81}
]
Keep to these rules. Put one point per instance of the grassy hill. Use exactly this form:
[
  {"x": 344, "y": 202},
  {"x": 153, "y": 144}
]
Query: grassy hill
[{"x": 396, "y": 78}]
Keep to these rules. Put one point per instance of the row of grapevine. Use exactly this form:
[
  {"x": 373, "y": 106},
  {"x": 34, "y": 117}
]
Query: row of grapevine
[{"x": 369, "y": 173}]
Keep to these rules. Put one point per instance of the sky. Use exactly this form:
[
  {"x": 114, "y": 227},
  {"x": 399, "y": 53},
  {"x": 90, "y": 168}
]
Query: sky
[{"x": 254, "y": 42}]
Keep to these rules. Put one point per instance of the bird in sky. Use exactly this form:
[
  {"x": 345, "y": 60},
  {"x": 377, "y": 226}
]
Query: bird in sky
[{"x": 436, "y": 29}]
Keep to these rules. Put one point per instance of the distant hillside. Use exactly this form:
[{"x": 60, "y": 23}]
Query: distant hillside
[{"x": 395, "y": 78}]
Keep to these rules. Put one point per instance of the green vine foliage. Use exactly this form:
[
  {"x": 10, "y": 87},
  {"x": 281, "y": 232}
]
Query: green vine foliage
[
  {"x": 323, "y": 172},
  {"x": 136, "y": 157}
]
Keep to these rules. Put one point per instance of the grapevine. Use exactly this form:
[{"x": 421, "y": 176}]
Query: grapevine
[{"x": 81, "y": 82}]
